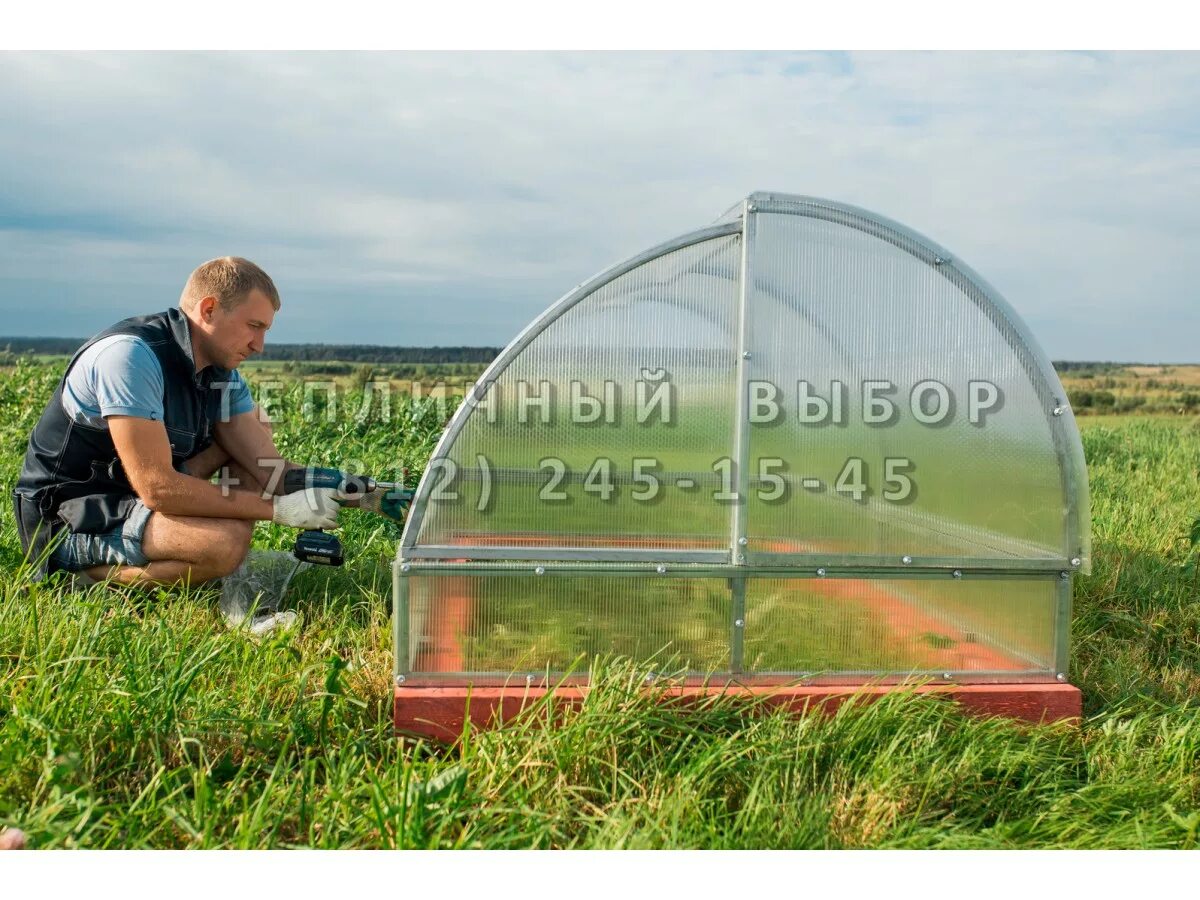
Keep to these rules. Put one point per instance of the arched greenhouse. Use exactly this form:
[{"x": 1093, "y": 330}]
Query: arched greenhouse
[{"x": 800, "y": 445}]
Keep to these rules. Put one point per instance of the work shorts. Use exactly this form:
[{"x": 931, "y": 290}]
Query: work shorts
[{"x": 120, "y": 545}]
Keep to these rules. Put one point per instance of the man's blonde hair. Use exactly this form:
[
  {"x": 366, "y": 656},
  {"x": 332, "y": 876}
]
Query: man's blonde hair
[{"x": 230, "y": 279}]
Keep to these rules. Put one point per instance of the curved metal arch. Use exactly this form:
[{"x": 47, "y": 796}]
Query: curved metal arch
[
  {"x": 697, "y": 266},
  {"x": 412, "y": 526},
  {"x": 1038, "y": 368}
]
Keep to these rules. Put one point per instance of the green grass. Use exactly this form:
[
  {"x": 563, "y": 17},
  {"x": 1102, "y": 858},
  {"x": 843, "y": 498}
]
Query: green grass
[{"x": 134, "y": 721}]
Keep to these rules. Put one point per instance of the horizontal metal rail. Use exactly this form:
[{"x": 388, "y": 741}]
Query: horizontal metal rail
[
  {"x": 780, "y": 679},
  {"x": 663, "y": 567}
]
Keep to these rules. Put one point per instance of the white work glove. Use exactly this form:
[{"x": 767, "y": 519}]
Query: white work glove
[{"x": 312, "y": 508}]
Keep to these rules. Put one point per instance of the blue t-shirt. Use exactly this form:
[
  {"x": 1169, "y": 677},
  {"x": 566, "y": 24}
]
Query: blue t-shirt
[{"x": 120, "y": 376}]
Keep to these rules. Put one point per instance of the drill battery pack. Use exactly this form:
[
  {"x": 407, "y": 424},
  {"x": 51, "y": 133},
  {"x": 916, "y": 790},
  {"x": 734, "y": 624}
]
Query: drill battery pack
[{"x": 319, "y": 547}]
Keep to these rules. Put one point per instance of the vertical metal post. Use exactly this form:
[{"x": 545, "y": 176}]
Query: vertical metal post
[
  {"x": 738, "y": 543},
  {"x": 1072, "y": 472},
  {"x": 1062, "y": 625},
  {"x": 401, "y": 663},
  {"x": 737, "y": 624}
]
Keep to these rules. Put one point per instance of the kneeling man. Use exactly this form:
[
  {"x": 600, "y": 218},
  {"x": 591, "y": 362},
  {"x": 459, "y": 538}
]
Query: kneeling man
[{"x": 116, "y": 475}]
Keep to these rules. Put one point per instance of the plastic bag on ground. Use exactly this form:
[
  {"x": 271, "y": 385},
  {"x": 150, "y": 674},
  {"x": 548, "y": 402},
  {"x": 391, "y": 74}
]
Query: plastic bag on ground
[{"x": 255, "y": 590}]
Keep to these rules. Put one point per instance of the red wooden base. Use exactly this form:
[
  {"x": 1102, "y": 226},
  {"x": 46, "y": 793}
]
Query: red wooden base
[{"x": 440, "y": 712}]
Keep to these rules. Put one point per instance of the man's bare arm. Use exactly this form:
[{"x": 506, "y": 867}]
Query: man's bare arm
[
  {"x": 145, "y": 454},
  {"x": 250, "y": 444}
]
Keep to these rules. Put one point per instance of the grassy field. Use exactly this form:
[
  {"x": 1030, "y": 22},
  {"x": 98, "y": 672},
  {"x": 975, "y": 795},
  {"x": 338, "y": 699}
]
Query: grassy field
[
  {"x": 134, "y": 721},
  {"x": 1105, "y": 389}
]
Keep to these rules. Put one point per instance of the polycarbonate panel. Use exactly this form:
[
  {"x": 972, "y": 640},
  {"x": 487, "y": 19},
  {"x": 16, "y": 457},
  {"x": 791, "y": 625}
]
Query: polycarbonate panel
[
  {"x": 551, "y": 468},
  {"x": 501, "y": 624},
  {"x": 964, "y": 466},
  {"x": 836, "y": 625},
  {"x": 504, "y": 624}
]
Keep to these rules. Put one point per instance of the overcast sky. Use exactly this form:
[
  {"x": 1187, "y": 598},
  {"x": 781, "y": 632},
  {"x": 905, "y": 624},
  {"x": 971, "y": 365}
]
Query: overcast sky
[{"x": 421, "y": 198}]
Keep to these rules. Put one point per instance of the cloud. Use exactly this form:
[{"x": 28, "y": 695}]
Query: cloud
[{"x": 449, "y": 198}]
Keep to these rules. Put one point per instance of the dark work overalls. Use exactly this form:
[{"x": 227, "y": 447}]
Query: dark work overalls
[{"x": 72, "y": 478}]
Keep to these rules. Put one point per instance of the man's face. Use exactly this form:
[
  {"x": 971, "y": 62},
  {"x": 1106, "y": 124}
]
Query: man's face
[{"x": 237, "y": 334}]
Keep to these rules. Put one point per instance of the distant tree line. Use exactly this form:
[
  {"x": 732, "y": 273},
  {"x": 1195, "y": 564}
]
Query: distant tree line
[
  {"x": 379, "y": 354},
  {"x": 1074, "y": 366},
  {"x": 403, "y": 371},
  {"x": 1071, "y": 366},
  {"x": 350, "y": 353}
]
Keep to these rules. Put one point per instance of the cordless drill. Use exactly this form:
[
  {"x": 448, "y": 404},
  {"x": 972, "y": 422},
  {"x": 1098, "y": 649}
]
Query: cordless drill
[{"x": 323, "y": 547}]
